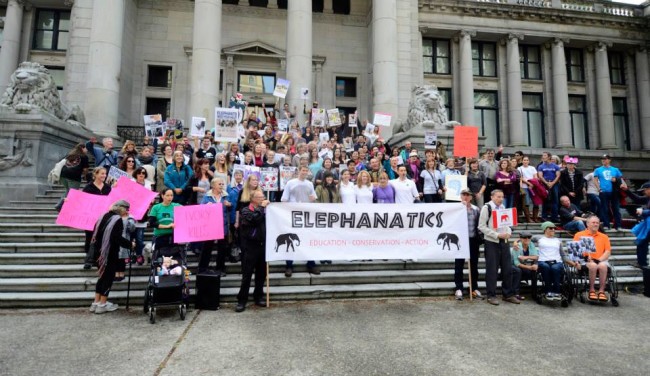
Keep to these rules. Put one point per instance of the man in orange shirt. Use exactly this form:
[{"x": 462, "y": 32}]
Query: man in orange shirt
[{"x": 596, "y": 261}]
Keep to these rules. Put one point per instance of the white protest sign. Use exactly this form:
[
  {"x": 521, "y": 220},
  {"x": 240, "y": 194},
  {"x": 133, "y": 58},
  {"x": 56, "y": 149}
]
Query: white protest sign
[
  {"x": 225, "y": 124},
  {"x": 153, "y": 125},
  {"x": 304, "y": 93},
  {"x": 318, "y": 117},
  {"x": 198, "y": 127},
  {"x": 333, "y": 117},
  {"x": 323, "y": 137},
  {"x": 455, "y": 184},
  {"x": 352, "y": 120},
  {"x": 287, "y": 173},
  {"x": 382, "y": 119},
  {"x": 269, "y": 181},
  {"x": 283, "y": 124},
  {"x": 115, "y": 173},
  {"x": 281, "y": 88},
  {"x": 430, "y": 139},
  {"x": 502, "y": 218}
]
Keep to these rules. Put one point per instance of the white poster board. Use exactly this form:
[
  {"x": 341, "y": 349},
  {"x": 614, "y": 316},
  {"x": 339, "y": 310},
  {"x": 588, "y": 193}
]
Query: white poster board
[
  {"x": 281, "y": 88},
  {"x": 382, "y": 119},
  {"x": 269, "y": 181},
  {"x": 225, "y": 124},
  {"x": 430, "y": 139},
  {"x": 454, "y": 184},
  {"x": 197, "y": 128},
  {"x": 318, "y": 117},
  {"x": 333, "y": 117},
  {"x": 352, "y": 120},
  {"x": 304, "y": 93}
]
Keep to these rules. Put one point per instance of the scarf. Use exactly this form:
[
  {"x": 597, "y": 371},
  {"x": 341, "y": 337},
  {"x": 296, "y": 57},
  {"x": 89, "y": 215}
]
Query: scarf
[{"x": 102, "y": 261}]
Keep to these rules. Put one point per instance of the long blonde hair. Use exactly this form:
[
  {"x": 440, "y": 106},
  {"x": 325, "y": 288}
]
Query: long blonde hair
[
  {"x": 247, "y": 192},
  {"x": 362, "y": 173}
]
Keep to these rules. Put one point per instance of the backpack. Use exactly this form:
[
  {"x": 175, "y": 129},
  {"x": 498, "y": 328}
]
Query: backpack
[
  {"x": 481, "y": 235},
  {"x": 55, "y": 175}
]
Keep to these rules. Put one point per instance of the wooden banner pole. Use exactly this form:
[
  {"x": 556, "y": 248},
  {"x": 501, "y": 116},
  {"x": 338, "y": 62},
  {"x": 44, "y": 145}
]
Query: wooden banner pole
[
  {"x": 469, "y": 267},
  {"x": 268, "y": 285}
]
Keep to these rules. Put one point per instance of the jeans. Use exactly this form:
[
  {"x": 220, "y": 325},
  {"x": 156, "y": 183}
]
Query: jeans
[
  {"x": 642, "y": 252},
  {"x": 206, "y": 254},
  {"x": 509, "y": 200},
  {"x": 139, "y": 240},
  {"x": 67, "y": 184},
  {"x": 310, "y": 264},
  {"x": 459, "y": 266},
  {"x": 552, "y": 275},
  {"x": 594, "y": 203},
  {"x": 607, "y": 198},
  {"x": 575, "y": 226},
  {"x": 552, "y": 203},
  {"x": 519, "y": 274},
  {"x": 431, "y": 198},
  {"x": 497, "y": 255}
]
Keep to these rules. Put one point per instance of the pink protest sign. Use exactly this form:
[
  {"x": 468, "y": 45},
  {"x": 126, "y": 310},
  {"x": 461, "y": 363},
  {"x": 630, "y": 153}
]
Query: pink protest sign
[
  {"x": 138, "y": 196},
  {"x": 196, "y": 223},
  {"x": 82, "y": 210}
]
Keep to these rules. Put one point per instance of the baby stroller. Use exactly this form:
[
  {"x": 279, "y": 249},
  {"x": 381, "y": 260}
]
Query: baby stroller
[{"x": 171, "y": 288}]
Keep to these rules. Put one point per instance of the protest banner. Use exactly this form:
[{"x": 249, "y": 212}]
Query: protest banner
[
  {"x": 430, "y": 139},
  {"x": 382, "y": 119},
  {"x": 455, "y": 184},
  {"x": 195, "y": 223},
  {"x": 299, "y": 231},
  {"x": 370, "y": 128},
  {"x": 304, "y": 93},
  {"x": 287, "y": 173},
  {"x": 153, "y": 125},
  {"x": 225, "y": 124},
  {"x": 318, "y": 117},
  {"x": 323, "y": 137},
  {"x": 81, "y": 210},
  {"x": 176, "y": 124},
  {"x": 135, "y": 194},
  {"x": 352, "y": 120},
  {"x": 465, "y": 141},
  {"x": 197, "y": 128},
  {"x": 283, "y": 125},
  {"x": 325, "y": 153},
  {"x": 333, "y": 117},
  {"x": 269, "y": 181},
  {"x": 504, "y": 218},
  {"x": 281, "y": 88},
  {"x": 246, "y": 171},
  {"x": 115, "y": 173}
]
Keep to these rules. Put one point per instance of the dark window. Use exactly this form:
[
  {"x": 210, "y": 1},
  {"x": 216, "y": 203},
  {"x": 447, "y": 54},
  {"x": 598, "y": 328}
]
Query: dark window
[
  {"x": 484, "y": 59},
  {"x": 530, "y": 62},
  {"x": 159, "y": 106},
  {"x": 256, "y": 82},
  {"x": 436, "y": 56},
  {"x": 232, "y": 2},
  {"x": 58, "y": 74},
  {"x": 316, "y": 5},
  {"x": 486, "y": 116},
  {"x": 159, "y": 76},
  {"x": 346, "y": 87},
  {"x": 51, "y": 30},
  {"x": 574, "y": 65},
  {"x": 621, "y": 123},
  {"x": 221, "y": 79},
  {"x": 282, "y": 4},
  {"x": 616, "y": 68},
  {"x": 578, "y": 113},
  {"x": 3, "y": 12},
  {"x": 533, "y": 119},
  {"x": 258, "y": 3},
  {"x": 446, "y": 98},
  {"x": 341, "y": 6}
]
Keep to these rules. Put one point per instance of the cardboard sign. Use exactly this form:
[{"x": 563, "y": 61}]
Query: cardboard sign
[
  {"x": 318, "y": 117},
  {"x": 135, "y": 194},
  {"x": 430, "y": 139},
  {"x": 334, "y": 117},
  {"x": 115, "y": 173},
  {"x": 281, "y": 88},
  {"x": 246, "y": 171},
  {"x": 287, "y": 173},
  {"x": 225, "y": 124},
  {"x": 325, "y": 153},
  {"x": 382, "y": 119},
  {"x": 283, "y": 124},
  {"x": 454, "y": 184},
  {"x": 323, "y": 137},
  {"x": 270, "y": 181},
  {"x": 352, "y": 120},
  {"x": 153, "y": 126},
  {"x": 195, "y": 223},
  {"x": 197, "y": 128},
  {"x": 81, "y": 210},
  {"x": 503, "y": 217},
  {"x": 465, "y": 141}
]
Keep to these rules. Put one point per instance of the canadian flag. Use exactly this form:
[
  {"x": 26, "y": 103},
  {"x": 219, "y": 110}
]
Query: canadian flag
[{"x": 504, "y": 217}]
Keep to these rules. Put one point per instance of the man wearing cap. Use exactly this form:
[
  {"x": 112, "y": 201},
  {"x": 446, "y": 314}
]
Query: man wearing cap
[
  {"x": 571, "y": 216},
  {"x": 472, "y": 223},
  {"x": 572, "y": 181},
  {"x": 642, "y": 229},
  {"x": 609, "y": 180},
  {"x": 497, "y": 251},
  {"x": 596, "y": 261},
  {"x": 549, "y": 173},
  {"x": 524, "y": 262}
]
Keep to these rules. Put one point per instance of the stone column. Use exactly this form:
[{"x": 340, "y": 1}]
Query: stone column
[
  {"x": 299, "y": 53},
  {"x": 206, "y": 59},
  {"x": 11, "y": 42},
  {"x": 104, "y": 66},
  {"x": 384, "y": 59},
  {"x": 604, "y": 94},
  {"x": 515, "y": 106},
  {"x": 466, "y": 74},
  {"x": 643, "y": 90},
  {"x": 561, "y": 116}
]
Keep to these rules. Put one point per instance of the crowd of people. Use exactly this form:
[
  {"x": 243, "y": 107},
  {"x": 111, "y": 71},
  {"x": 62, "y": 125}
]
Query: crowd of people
[{"x": 352, "y": 164}]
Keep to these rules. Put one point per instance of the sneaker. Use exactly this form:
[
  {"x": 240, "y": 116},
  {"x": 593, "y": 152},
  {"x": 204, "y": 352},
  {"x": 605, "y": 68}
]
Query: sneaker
[
  {"x": 557, "y": 296},
  {"x": 476, "y": 294},
  {"x": 493, "y": 300},
  {"x": 93, "y": 307},
  {"x": 549, "y": 296},
  {"x": 107, "y": 307},
  {"x": 512, "y": 299},
  {"x": 459, "y": 295},
  {"x": 520, "y": 298},
  {"x": 87, "y": 266},
  {"x": 313, "y": 270},
  {"x": 241, "y": 307},
  {"x": 288, "y": 272}
]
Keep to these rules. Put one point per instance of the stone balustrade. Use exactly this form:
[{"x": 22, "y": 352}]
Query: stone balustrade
[{"x": 598, "y": 6}]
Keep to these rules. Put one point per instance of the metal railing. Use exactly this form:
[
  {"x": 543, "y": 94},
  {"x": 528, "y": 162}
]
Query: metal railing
[{"x": 133, "y": 133}]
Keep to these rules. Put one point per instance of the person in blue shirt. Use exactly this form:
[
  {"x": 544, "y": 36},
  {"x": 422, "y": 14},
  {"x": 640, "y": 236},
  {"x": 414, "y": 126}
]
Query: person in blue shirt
[
  {"x": 549, "y": 173},
  {"x": 177, "y": 176},
  {"x": 610, "y": 180}
]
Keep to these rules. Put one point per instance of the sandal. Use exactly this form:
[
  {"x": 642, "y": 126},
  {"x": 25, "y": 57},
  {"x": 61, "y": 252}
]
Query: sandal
[
  {"x": 592, "y": 295},
  {"x": 602, "y": 297}
]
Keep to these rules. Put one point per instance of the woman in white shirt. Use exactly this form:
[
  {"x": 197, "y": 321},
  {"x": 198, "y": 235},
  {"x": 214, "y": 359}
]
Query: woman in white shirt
[
  {"x": 432, "y": 188},
  {"x": 347, "y": 189},
  {"x": 527, "y": 172},
  {"x": 363, "y": 189},
  {"x": 550, "y": 261}
]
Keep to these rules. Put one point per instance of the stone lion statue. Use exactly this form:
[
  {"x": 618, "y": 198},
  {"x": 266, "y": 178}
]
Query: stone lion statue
[
  {"x": 426, "y": 109},
  {"x": 32, "y": 87}
]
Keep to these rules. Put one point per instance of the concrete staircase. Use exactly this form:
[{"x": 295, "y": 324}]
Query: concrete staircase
[{"x": 41, "y": 266}]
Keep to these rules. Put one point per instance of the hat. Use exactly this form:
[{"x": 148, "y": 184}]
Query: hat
[
  {"x": 573, "y": 160},
  {"x": 413, "y": 154},
  {"x": 547, "y": 225},
  {"x": 466, "y": 192},
  {"x": 122, "y": 203},
  {"x": 606, "y": 156},
  {"x": 525, "y": 234},
  {"x": 646, "y": 185}
]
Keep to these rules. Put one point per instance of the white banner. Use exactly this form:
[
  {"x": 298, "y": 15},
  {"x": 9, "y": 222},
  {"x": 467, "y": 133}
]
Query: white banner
[
  {"x": 297, "y": 231},
  {"x": 225, "y": 124}
]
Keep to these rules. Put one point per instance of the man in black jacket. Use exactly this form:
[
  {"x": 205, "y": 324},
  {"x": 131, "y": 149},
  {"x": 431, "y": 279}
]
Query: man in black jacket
[{"x": 253, "y": 238}]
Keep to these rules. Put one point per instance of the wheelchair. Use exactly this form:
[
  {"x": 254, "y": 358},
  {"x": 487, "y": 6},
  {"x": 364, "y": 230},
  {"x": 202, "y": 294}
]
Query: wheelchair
[
  {"x": 567, "y": 289},
  {"x": 581, "y": 282}
]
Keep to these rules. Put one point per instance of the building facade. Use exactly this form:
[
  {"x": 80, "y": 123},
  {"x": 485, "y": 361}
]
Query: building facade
[{"x": 531, "y": 74}]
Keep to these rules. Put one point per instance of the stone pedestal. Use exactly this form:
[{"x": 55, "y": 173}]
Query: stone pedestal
[{"x": 30, "y": 146}]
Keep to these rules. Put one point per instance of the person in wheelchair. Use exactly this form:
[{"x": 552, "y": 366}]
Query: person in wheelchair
[
  {"x": 551, "y": 261},
  {"x": 597, "y": 262},
  {"x": 524, "y": 262}
]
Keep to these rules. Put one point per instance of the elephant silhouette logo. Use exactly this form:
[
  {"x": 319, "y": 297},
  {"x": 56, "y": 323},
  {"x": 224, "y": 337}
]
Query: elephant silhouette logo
[
  {"x": 505, "y": 217},
  {"x": 288, "y": 240},
  {"x": 447, "y": 240}
]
